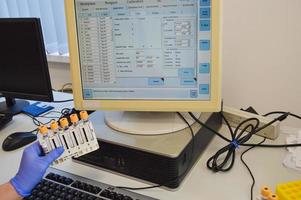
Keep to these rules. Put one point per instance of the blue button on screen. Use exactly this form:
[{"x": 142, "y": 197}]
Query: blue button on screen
[
  {"x": 204, "y": 68},
  {"x": 205, "y": 2},
  {"x": 205, "y": 25},
  {"x": 205, "y": 13},
  {"x": 155, "y": 81},
  {"x": 204, "y": 89},
  {"x": 187, "y": 72},
  {"x": 204, "y": 45},
  {"x": 188, "y": 81}
]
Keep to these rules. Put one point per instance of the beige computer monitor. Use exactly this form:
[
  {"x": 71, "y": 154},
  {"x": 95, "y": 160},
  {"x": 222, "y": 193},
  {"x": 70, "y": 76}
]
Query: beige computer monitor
[{"x": 213, "y": 104}]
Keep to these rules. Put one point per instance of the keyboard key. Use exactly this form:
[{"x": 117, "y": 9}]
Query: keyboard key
[
  {"x": 84, "y": 195},
  {"x": 59, "y": 179},
  {"x": 57, "y": 193},
  {"x": 96, "y": 190},
  {"x": 105, "y": 193},
  {"x": 69, "y": 197},
  {"x": 119, "y": 197},
  {"x": 45, "y": 196},
  {"x": 90, "y": 197},
  {"x": 52, "y": 198},
  {"x": 72, "y": 191},
  {"x": 112, "y": 195},
  {"x": 127, "y": 198}
]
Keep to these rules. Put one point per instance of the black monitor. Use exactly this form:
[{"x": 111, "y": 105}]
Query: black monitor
[{"x": 23, "y": 64}]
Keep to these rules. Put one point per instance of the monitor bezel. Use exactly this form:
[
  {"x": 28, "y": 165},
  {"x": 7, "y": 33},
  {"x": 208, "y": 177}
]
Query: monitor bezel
[
  {"x": 212, "y": 105},
  {"x": 48, "y": 96}
]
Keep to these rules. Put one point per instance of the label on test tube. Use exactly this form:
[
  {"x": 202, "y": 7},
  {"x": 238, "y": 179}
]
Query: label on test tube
[
  {"x": 65, "y": 135},
  {"x": 74, "y": 129},
  {"x": 56, "y": 140},
  {"x": 86, "y": 131},
  {"x": 44, "y": 140},
  {"x": 86, "y": 126}
]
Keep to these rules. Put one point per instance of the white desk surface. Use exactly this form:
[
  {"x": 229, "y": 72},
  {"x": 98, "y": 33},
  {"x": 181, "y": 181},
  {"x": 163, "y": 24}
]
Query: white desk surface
[{"x": 200, "y": 183}]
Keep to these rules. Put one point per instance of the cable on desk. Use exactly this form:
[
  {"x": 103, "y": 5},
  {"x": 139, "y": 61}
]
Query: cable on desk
[
  {"x": 64, "y": 112},
  {"x": 238, "y": 140},
  {"x": 223, "y": 159},
  {"x": 45, "y": 115},
  {"x": 248, "y": 168},
  {"x": 36, "y": 121},
  {"x": 281, "y": 112},
  {"x": 64, "y": 87},
  {"x": 34, "y": 130},
  {"x": 170, "y": 181}
]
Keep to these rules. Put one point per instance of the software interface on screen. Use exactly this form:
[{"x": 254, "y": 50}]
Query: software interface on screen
[{"x": 144, "y": 49}]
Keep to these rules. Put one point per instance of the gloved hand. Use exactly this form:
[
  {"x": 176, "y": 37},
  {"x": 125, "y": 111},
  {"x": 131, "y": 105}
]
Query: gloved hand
[{"x": 32, "y": 168}]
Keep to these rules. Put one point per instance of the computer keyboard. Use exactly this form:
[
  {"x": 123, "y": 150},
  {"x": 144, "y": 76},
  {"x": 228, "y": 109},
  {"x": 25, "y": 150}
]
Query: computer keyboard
[
  {"x": 59, "y": 185},
  {"x": 4, "y": 119}
]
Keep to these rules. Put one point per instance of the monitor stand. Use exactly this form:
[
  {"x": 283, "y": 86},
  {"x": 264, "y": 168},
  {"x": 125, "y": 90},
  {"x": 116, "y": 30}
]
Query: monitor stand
[
  {"x": 12, "y": 106},
  {"x": 147, "y": 123}
]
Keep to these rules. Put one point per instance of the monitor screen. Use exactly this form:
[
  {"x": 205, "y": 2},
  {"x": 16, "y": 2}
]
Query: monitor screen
[
  {"x": 23, "y": 63},
  {"x": 134, "y": 54}
]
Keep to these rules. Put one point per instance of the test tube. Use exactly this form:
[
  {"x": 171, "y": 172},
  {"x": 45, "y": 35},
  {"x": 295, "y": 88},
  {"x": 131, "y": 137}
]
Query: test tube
[
  {"x": 56, "y": 140},
  {"x": 75, "y": 131},
  {"x": 44, "y": 140},
  {"x": 86, "y": 129},
  {"x": 65, "y": 135}
]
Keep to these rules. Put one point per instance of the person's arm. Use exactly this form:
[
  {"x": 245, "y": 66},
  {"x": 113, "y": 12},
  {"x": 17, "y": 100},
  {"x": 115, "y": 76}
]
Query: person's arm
[
  {"x": 8, "y": 192},
  {"x": 32, "y": 169}
]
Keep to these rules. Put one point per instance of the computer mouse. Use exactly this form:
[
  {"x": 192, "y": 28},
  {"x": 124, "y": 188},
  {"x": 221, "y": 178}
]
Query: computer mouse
[{"x": 18, "y": 140}]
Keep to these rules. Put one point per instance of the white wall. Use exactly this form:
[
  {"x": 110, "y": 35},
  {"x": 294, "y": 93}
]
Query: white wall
[
  {"x": 261, "y": 56},
  {"x": 60, "y": 74}
]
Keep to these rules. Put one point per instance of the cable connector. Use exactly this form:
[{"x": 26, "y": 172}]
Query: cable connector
[{"x": 236, "y": 116}]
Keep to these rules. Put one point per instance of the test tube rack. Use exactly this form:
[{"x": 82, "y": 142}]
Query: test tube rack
[{"x": 75, "y": 133}]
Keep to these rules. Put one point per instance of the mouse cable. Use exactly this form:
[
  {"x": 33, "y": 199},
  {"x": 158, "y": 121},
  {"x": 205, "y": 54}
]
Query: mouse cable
[
  {"x": 34, "y": 119},
  {"x": 62, "y": 101},
  {"x": 63, "y": 113},
  {"x": 45, "y": 115},
  {"x": 34, "y": 130},
  {"x": 37, "y": 122},
  {"x": 173, "y": 179}
]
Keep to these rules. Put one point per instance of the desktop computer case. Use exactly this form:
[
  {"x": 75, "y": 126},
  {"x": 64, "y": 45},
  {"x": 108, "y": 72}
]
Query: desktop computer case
[{"x": 161, "y": 159}]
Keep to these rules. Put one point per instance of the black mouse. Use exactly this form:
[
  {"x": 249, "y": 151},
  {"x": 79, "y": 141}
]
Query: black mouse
[{"x": 18, "y": 140}]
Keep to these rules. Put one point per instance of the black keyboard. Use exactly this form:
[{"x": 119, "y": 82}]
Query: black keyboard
[
  {"x": 4, "y": 119},
  {"x": 59, "y": 185}
]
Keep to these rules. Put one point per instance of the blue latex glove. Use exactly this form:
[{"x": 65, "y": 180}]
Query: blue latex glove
[{"x": 32, "y": 168}]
